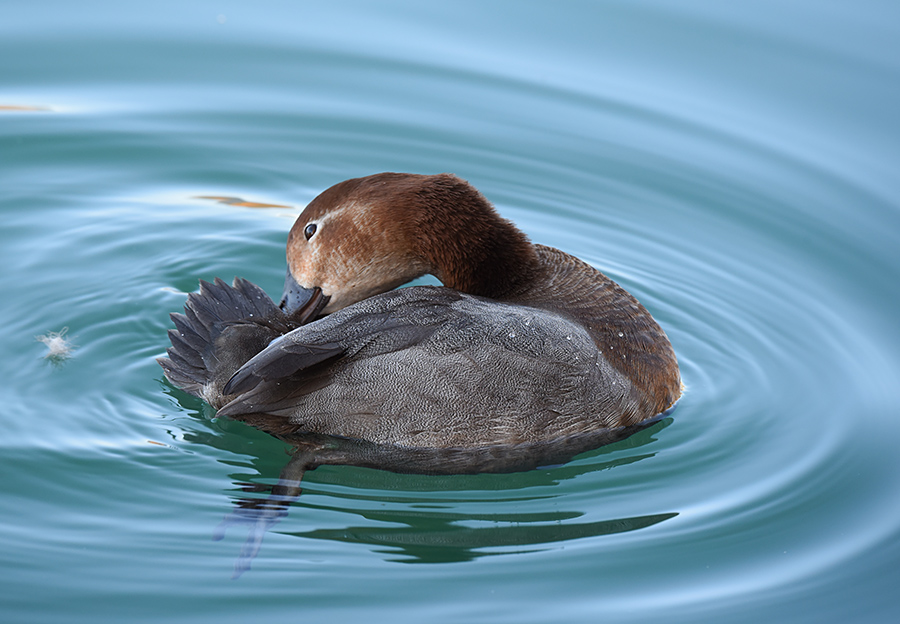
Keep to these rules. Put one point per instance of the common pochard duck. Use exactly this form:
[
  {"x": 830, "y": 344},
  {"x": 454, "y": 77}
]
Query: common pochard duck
[{"x": 524, "y": 345}]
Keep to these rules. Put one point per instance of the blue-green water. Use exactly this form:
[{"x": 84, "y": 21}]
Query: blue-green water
[{"x": 732, "y": 164}]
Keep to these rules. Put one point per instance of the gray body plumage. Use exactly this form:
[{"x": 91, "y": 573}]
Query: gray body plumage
[{"x": 432, "y": 367}]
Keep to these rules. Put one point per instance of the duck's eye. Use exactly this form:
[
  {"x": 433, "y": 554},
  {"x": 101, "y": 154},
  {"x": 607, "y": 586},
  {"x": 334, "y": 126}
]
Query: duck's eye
[{"x": 309, "y": 230}]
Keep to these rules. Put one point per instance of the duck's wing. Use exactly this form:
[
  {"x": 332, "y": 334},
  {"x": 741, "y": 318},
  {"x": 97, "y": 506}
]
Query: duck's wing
[
  {"x": 306, "y": 348},
  {"x": 417, "y": 349},
  {"x": 281, "y": 359},
  {"x": 430, "y": 367},
  {"x": 304, "y": 359}
]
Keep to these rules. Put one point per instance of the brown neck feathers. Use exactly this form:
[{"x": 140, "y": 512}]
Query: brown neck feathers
[{"x": 467, "y": 244}]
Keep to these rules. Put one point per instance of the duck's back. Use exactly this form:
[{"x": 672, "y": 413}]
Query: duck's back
[{"x": 432, "y": 367}]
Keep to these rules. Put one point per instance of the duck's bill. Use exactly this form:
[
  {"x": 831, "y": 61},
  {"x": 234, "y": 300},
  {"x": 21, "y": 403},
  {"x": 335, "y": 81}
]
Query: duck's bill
[{"x": 303, "y": 304}]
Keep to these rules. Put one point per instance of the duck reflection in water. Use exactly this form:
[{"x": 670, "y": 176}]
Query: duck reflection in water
[
  {"x": 422, "y": 530},
  {"x": 525, "y": 357}
]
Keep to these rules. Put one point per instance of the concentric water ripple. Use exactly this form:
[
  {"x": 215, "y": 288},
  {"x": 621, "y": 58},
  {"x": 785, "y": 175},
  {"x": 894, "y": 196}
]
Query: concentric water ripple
[{"x": 748, "y": 202}]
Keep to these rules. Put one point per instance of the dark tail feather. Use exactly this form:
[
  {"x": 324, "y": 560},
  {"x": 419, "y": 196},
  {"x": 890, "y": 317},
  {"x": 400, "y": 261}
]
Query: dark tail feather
[{"x": 222, "y": 327}]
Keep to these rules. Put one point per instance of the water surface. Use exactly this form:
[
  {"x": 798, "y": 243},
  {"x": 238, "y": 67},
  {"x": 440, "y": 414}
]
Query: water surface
[{"x": 733, "y": 167}]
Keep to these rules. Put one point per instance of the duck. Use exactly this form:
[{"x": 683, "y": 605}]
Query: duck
[{"x": 523, "y": 346}]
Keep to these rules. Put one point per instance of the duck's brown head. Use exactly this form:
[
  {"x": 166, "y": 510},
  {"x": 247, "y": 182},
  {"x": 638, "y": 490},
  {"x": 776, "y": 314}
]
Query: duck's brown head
[{"x": 369, "y": 235}]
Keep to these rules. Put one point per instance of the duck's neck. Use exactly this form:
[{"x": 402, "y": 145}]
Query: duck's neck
[{"x": 470, "y": 247}]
